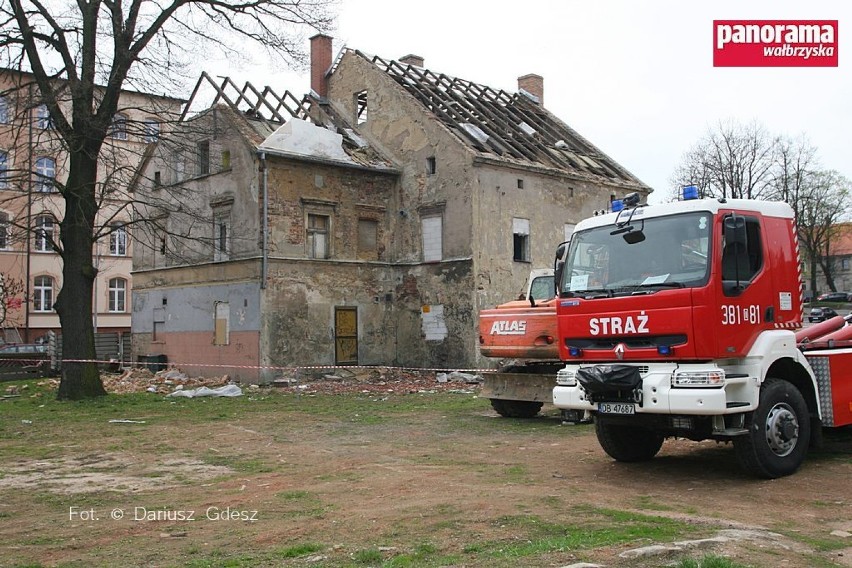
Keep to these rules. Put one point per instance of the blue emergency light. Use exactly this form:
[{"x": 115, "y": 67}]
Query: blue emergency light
[
  {"x": 575, "y": 351},
  {"x": 690, "y": 192},
  {"x": 616, "y": 205}
]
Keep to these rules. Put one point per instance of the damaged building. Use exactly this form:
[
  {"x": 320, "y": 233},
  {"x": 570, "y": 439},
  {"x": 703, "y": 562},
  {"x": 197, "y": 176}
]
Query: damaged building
[{"x": 365, "y": 223}]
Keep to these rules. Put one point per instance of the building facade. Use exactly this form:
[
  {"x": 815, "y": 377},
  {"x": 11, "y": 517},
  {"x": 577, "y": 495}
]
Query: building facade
[
  {"x": 33, "y": 167},
  {"x": 368, "y": 227}
]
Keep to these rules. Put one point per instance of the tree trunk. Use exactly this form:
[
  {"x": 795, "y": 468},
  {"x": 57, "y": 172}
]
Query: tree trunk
[{"x": 80, "y": 374}]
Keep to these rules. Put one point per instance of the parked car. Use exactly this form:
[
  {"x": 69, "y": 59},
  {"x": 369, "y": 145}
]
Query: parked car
[
  {"x": 821, "y": 314},
  {"x": 833, "y": 297}
]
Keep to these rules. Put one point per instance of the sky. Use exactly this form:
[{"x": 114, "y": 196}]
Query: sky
[{"x": 636, "y": 78}]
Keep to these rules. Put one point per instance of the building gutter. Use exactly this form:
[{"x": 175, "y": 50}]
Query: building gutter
[{"x": 264, "y": 263}]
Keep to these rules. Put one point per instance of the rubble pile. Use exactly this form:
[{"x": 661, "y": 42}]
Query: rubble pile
[
  {"x": 375, "y": 380},
  {"x": 354, "y": 380},
  {"x": 161, "y": 382}
]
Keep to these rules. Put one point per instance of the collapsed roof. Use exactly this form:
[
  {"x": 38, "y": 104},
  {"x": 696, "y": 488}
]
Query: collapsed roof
[
  {"x": 503, "y": 125},
  {"x": 267, "y": 112}
]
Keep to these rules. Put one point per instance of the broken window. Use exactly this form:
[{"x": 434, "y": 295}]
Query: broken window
[
  {"x": 221, "y": 233},
  {"x": 203, "y": 157},
  {"x": 361, "y": 107},
  {"x": 433, "y": 246},
  {"x": 521, "y": 239},
  {"x": 431, "y": 166},
  {"x": 317, "y": 236}
]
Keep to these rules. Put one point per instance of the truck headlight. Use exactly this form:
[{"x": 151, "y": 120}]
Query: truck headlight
[
  {"x": 714, "y": 378},
  {"x": 566, "y": 378}
]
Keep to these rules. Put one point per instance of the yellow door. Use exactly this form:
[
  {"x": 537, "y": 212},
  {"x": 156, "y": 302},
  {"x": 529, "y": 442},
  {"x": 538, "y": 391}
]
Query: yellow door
[{"x": 346, "y": 336}]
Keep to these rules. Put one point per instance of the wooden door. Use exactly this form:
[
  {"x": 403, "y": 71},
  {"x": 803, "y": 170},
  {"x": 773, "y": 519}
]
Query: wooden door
[{"x": 346, "y": 336}]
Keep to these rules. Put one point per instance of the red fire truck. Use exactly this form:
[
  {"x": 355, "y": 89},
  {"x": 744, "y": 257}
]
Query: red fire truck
[{"x": 679, "y": 320}]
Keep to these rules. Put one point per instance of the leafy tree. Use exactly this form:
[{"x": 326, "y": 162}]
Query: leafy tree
[{"x": 82, "y": 55}]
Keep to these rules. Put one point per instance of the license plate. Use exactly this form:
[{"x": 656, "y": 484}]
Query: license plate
[{"x": 616, "y": 408}]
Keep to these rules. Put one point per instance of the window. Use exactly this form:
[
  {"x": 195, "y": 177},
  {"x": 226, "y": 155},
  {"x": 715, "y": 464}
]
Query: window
[
  {"x": 360, "y": 107},
  {"x": 43, "y": 120},
  {"x": 368, "y": 231},
  {"x": 117, "y": 295},
  {"x": 221, "y": 235},
  {"x": 44, "y": 233},
  {"x": 202, "y": 154},
  {"x": 741, "y": 262},
  {"x": 431, "y": 166},
  {"x": 520, "y": 183},
  {"x": 179, "y": 167},
  {"x": 5, "y": 110},
  {"x": 158, "y": 179},
  {"x": 433, "y": 246},
  {"x": 222, "y": 316},
  {"x": 118, "y": 128},
  {"x": 317, "y": 236},
  {"x": 844, "y": 264},
  {"x": 4, "y": 169},
  {"x": 45, "y": 169},
  {"x": 43, "y": 294},
  {"x": 151, "y": 130},
  {"x": 226, "y": 160},
  {"x": 521, "y": 240},
  {"x": 4, "y": 231},
  {"x": 118, "y": 240}
]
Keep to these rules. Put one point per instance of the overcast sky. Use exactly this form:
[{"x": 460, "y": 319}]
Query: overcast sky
[{"x": 636, "y": 78}]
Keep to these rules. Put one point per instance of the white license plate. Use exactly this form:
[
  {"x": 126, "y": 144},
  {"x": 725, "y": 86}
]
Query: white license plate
[{"x": 616, "y": 408}]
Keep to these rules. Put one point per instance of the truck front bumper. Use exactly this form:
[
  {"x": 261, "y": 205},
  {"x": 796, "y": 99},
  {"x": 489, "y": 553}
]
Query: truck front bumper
[{"x": 658, "y": 396}]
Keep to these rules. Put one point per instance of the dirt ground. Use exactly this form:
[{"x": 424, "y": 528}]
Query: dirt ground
[{"x": 445, "y": 478}]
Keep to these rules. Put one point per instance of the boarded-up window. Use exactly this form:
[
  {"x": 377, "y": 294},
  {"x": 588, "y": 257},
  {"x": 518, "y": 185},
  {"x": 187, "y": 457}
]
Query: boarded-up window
[
  {"x": 433, "y": 245},
  {"x": 368, "y": 231},
  {"x": 222, "y": 330}
]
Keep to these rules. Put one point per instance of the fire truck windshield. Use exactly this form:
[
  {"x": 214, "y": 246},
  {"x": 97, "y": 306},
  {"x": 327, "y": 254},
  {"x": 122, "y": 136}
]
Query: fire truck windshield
[{"x": 616, "y": 260}]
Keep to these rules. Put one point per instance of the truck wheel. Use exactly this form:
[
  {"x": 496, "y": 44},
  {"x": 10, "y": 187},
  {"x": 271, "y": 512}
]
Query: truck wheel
[
  {"x": 627, "y": 443},
  {"x": 516, "y": 408},
  {"x": 779, "y": 432}
]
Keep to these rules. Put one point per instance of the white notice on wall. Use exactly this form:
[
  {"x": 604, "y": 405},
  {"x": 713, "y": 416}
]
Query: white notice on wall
[
  {"x": 785, "y": 299},
  {"x": 434, "y": 327}
]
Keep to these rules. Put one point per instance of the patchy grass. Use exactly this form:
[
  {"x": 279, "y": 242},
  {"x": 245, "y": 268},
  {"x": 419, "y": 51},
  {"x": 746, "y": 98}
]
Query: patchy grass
[{"x": 709, "y": 561}]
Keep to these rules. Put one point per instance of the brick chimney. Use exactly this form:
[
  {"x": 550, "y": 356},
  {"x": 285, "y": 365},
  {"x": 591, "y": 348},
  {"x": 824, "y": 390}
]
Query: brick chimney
[
  {"x": 534, "y": 85},
  {"x": 320, "y": 63},
  {"x": 412, "y": 59}
]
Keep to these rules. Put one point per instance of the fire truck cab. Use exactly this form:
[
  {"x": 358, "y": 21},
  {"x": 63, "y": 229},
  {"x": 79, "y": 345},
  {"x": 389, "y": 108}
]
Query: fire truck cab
[{"x": 677, "y": 320}]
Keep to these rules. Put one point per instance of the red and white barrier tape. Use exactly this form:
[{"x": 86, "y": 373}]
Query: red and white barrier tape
[{"x": 140, "y": 364}]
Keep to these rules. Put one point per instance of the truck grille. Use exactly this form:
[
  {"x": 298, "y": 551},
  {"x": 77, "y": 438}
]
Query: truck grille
[{"x": 631, "y": 342}]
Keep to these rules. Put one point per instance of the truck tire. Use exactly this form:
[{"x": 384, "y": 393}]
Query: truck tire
[
  {"x": 779, "y": 432},
  {"x": 627, "y": 443},
  {"x": 516, "y": 408}
]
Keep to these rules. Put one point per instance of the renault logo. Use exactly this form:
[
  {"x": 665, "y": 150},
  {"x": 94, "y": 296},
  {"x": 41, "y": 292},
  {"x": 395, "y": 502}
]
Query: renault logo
[{"x": 619, "y": 351}]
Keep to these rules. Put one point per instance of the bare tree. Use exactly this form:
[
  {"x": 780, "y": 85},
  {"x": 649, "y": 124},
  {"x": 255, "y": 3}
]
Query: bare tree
[
  {"x": 11, "y": 297},
  {"x": 82, "y": 56},
  {"x": 731, "y": 160},
  {"x": 819, "y": 209}
]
